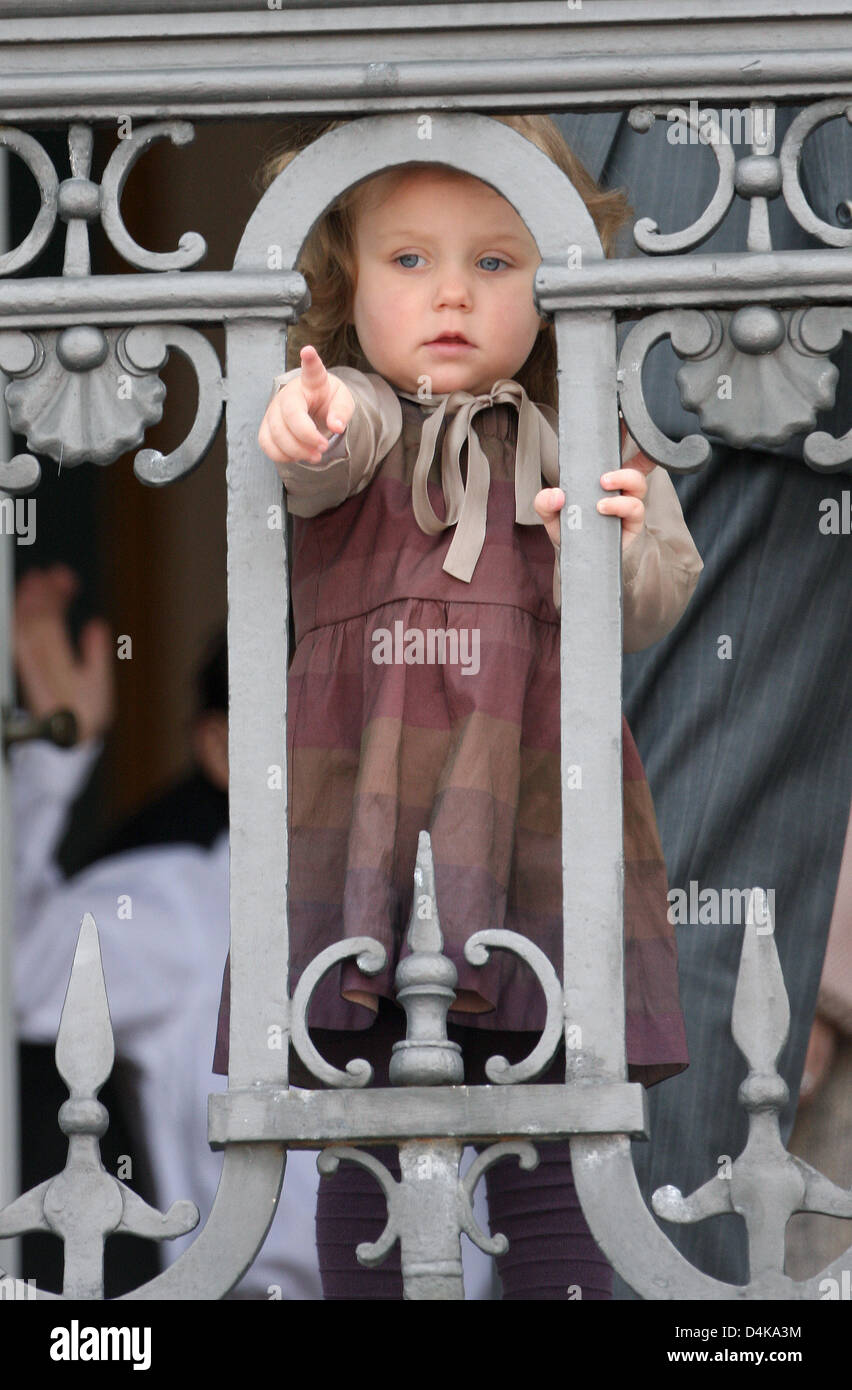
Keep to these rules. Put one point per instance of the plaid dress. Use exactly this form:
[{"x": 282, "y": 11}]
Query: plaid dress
[{"x": 391, "y": 731}]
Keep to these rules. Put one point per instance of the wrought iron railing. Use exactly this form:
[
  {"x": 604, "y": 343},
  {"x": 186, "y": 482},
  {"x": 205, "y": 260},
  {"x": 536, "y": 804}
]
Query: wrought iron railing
[{"x": 88, "y": 335}]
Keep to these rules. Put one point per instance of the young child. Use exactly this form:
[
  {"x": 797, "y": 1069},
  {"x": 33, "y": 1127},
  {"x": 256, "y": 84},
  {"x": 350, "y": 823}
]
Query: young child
[{"x": 414, "y": 461}]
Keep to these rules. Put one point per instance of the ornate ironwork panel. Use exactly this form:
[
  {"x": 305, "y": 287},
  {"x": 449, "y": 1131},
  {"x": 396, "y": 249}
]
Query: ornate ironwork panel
[{"x": 84, "y": 354}]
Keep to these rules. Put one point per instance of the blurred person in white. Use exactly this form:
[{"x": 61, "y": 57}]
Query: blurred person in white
[{"x": 161, "y": 908}]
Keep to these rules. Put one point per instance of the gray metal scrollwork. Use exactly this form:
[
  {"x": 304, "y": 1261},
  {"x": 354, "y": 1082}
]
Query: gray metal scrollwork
[
  {"x": 80, "y": 201},
  {"x": 754, "y": 376},
  {"x": 820, "y": 330},
  {"x": 428, "y": 1209},
  {"x": 765, "y": 1184},
  {"x": 478, "y": 949},
  {"x": 192, "y": 248},
  {"x": 431, "y": 1113},
  {"x": 694, "y": 334},
  {"x": 42, "y": 170},
  {"x": 761, "y": 385},
  {"x": 87, "y": 393},
  {"x": 79, "y": 399},
  {"x": 761, "y": 375},
  {"x": 425, "y": 985},
  {"x": 145, "y": 350},
  {"x": 805, "y": 123},
  {"x": 371, "y": 958},
  {"x": 646, "y": 233}
]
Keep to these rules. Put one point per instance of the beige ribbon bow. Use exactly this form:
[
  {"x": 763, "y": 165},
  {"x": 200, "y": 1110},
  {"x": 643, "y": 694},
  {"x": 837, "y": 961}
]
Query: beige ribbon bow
[{"x": 466, "y": 503}]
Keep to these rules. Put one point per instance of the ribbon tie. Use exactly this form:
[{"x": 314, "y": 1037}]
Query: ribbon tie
[{"x": 466, "y": 503}]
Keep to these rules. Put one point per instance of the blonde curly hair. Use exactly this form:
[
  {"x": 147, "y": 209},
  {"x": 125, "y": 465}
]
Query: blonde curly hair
[{"x": 328, "y": 258}]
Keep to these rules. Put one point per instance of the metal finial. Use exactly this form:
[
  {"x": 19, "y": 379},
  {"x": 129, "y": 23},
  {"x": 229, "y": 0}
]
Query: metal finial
[
  {"x": 84, "y": 1203},
  {"x": 765, "y": 1185},
  {"x": 425, "y": 987}
]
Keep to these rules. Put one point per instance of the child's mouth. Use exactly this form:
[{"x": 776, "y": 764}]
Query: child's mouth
[{"x": 450, "y": 342}]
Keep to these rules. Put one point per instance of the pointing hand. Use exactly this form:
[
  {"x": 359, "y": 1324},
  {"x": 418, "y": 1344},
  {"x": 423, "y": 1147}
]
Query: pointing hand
[{"x": 314, "y": 400}]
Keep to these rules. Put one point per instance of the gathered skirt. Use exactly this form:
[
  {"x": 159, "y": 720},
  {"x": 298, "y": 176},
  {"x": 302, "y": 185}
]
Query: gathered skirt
[{"x": 380, "y": 749}]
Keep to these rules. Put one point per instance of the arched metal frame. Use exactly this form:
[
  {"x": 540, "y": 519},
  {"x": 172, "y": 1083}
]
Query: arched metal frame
[
  {"x": 259, "y": 1118},
  {"x": 258, "y": 1100},
  {"x": 592, "y": 850},
  {"x": 557, "y": 218},
  {"x": 596, "y": 1105}
]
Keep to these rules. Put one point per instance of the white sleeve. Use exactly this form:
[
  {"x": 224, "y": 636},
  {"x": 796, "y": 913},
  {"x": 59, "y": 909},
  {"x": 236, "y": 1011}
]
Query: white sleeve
[
  {"x": 45, "y": 781},
  {"x": 140, "y": 921}
]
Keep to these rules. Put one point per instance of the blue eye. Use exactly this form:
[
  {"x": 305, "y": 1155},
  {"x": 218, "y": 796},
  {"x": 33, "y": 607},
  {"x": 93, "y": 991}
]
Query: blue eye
[
  {"x": 409, "y": 260},
  {"x": 492, "y": 262}
]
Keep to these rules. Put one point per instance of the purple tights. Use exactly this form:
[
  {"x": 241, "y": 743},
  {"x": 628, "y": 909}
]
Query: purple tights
[{"x": 551, "y": 1250}]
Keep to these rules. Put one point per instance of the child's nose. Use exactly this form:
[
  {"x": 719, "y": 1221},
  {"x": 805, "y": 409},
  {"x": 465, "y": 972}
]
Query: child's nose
[{"x": 453, "y": 289}]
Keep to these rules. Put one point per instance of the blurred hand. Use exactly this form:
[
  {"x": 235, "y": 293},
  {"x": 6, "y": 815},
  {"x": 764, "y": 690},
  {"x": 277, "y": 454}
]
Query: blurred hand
[
  {"x": 51, "y": 674},
  {"x": 822, "y": 1045}
]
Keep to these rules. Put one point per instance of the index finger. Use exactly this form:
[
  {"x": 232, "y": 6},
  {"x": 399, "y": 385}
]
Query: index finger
[
  {"x": 313, "y": 371},
  {"x": 631, "y": 480}
]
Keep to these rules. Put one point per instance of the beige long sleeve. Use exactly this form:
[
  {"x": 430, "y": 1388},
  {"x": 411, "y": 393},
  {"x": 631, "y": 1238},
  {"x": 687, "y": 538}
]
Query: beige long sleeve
[{"x": 660, "y": 568}]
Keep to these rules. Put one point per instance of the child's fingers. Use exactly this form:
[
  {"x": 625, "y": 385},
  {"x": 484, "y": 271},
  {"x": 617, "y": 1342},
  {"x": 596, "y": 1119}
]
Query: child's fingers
[
  {"x": 629, "y": 480},
  {"x": 304, "y": 430},
  {"x": 341, "y": 407},
  {"x": 291, "y": 438},
  {"x": 630, "y": 509},
  {"x": 549, "y": 502},
  {"x": 316, "y": 387},
  {"x": 274, "y": 439},
  {"x": 326, "y": 397},
  {"x": 314, "y": 374}
]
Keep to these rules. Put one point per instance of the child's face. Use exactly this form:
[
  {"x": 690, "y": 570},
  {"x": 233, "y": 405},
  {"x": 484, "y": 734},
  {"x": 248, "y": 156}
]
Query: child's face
[{"x": 444, "y": 282}]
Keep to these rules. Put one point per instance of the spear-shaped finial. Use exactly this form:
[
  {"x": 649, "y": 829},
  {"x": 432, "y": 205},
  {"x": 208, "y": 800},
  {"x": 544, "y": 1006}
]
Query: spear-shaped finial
[
  {"x": 84, "y": 1203},
  {"x": 765, "y": 1184},
  {"x": 425, "y": 987}
]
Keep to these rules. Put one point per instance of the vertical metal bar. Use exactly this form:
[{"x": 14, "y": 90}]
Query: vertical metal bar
[
  {"x": 9, "y": 1174},
  {"x": 257, "y": 659},
  {"x": 430, "y": 1246},
  {"x": 592, "y": 848}
]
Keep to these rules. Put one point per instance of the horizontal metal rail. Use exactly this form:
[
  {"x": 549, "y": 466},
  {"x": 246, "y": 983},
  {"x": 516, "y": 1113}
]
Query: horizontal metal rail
[
  {"x": 168, "y": 297},
  {"x": 312, "y": 1119},
  {"x": 216, "y": 61},
  {"x": 777, "y": 277}
]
